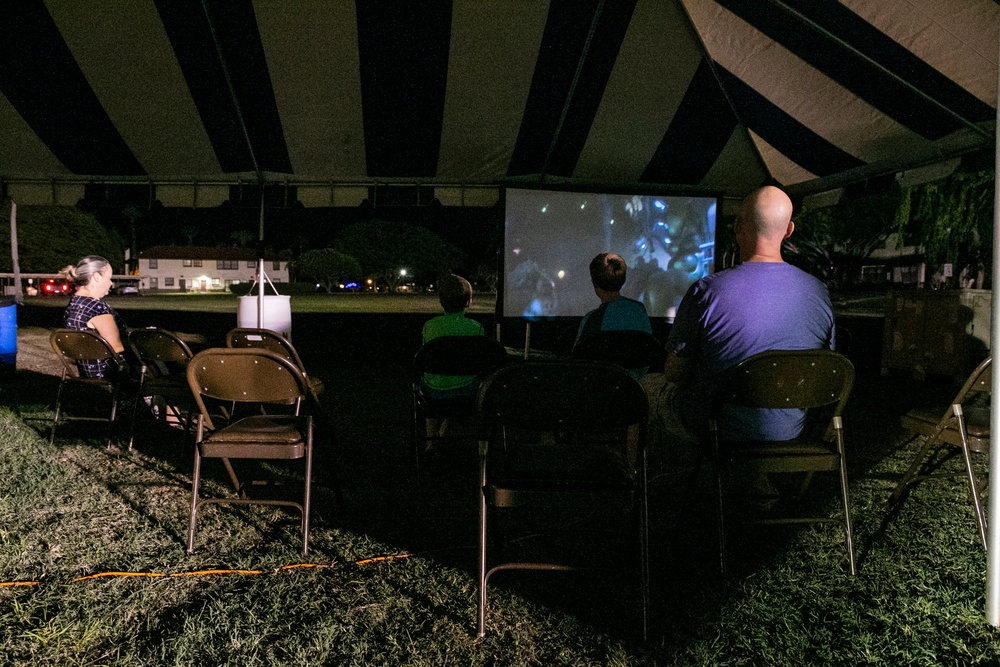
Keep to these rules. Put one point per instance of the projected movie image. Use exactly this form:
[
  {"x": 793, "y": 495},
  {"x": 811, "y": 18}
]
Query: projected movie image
[{"x": 551, "y": 236}]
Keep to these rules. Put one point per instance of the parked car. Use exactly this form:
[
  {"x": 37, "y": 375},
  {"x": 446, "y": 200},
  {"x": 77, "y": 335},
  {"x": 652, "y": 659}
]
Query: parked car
[{"x": 53, "y": 287}]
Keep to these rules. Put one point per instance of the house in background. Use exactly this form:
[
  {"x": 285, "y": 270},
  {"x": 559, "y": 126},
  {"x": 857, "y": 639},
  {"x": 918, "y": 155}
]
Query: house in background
[{"x": 198, "y": 269}]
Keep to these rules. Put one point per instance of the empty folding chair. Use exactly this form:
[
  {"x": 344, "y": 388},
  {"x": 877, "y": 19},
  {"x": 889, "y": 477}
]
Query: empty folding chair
[
  {"x": 555, "y": 442},
  {"x": 163, "y": 373},
  {"x": 964, "y": 427},
  {"x": 259, "y": 379}
]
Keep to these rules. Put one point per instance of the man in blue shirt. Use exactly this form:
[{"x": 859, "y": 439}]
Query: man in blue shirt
[{"x": 761, "y": 304}]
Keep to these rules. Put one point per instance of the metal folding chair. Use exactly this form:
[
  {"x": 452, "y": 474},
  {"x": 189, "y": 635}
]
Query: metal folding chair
[
  {"x": 249, "y": 377},
  {"x": 555, "y": 441},
  {"x": 802, "y": 379},
  {"x": 472, "y": 356},
  {"x": 163, "y": 372},
  {"x": 964, "y": 427},
  {"x": 75, "y": 347}
]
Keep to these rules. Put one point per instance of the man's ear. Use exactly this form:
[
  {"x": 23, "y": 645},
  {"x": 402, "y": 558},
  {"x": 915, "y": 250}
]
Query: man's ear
[{"x": 791, "y": 228}]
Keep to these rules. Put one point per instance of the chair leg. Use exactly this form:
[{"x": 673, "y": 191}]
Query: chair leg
[
  {"x": 196, "y": 478},
  {"x": 644, "y": 544},
  {"x": 971, "y": 476},
  {"x": 55, "y": 419},
  {"x": 481, "y": 616},
  {"x": 308, "y": 495},
  {"x": 910, "y": 476},
  {"x": 848, "y": 527},
  {"x": 717, "y": 463}
]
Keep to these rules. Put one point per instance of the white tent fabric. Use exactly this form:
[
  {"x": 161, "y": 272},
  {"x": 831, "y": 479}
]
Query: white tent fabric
[{"x": 720, "y": 94}]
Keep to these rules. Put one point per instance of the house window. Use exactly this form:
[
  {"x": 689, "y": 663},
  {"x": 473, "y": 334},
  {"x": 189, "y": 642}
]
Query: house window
[
  {"x": 227, "y": 264},
  {"x": 154, "y": 283},
  {"x": 197, "y": 262},
  {"x": 186, "y": 262},
  {"x": 152, "y": 264},
  {"x": 168, "y": 282},
  {"x": 216, "y": 282},
  {"x": 250, "y": 264},
  {"x": 276, "y": 266}
]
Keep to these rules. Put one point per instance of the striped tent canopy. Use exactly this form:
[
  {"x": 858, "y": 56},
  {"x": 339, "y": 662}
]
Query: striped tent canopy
[{"x": 335, "y": 96}]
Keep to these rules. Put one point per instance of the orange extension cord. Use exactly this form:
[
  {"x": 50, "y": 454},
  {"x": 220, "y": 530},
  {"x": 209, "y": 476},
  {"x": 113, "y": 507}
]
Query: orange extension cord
[{"x": 201, "y": 573}]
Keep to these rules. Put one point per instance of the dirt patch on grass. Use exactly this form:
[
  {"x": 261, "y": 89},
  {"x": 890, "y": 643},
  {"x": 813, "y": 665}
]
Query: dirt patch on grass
[{"x": 34, "y": 353}]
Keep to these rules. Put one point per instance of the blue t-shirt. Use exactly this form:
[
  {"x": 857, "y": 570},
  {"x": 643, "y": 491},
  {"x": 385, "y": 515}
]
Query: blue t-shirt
[
  {"x": 735, "y": 314},
  {"x": 622, "y": 314}
]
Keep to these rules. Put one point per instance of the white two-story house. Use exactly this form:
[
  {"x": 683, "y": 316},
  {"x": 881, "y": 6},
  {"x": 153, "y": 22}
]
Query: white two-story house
[{"x": 198, "y": 269}]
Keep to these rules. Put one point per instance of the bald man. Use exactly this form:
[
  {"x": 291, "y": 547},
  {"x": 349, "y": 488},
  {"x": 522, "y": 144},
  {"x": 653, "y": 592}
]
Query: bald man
[{"x": 761, "y": 304}]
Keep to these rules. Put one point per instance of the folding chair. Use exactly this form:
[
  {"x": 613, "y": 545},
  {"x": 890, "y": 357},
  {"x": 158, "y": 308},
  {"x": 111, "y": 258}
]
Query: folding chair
[
  {"x": 803, "y": 379},
  {"x": 474, "y": 356},
  {"x": 635, "y": 351},
  {"x": 163, "y": 372},
  {"x": 249, "y": 377},
  {"x": 965, "y": 428},
  {"x": 555, "y": 441},
  {"x": 74, "y": 347},
  {"x": 275, "y": 342}
]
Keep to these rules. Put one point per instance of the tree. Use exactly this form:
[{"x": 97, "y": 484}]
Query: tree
[
  {"x": 833, "y": 242},
  {"x": 243, "y": 237},
  {"x": 52, "y": 237},
  {"x": 327, "y": 267},
  {"x": 386, "y": 248}
]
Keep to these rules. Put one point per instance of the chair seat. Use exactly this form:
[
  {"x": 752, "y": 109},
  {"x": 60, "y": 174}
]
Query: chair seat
[
  {"x": 800, "y": 455},
  {"x": 924, "y": 422},
  {"x": 259, "y": 436}
]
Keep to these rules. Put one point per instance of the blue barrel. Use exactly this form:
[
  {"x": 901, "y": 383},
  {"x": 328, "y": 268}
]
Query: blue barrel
[{"x": 8, "y": 333}]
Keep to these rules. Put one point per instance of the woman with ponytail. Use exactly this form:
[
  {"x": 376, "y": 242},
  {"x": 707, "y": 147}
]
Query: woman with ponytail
[{"x": 87, "y": 310}]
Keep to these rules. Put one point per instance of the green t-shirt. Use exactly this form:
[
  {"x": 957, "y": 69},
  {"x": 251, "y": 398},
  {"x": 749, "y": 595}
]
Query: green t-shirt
[{"x": 450, "y": 324}]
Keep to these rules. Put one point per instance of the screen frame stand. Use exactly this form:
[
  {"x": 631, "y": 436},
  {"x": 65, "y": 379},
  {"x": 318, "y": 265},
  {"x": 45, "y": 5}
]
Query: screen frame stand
[{"x": 527, "y": 339}]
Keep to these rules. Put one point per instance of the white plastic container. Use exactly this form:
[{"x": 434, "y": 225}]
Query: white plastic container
[{"x": 277, "y": 313}]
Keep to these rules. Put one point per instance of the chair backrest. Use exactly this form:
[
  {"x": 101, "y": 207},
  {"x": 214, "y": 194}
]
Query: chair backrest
[
  {"x": 73, "y": 345},
  {"x": 980, "y": 380},
  {"x": 242, "y": 375},
  {"x": 264, "y": 339},
  {"x": 159, "y": 346},
  {"x": 627, "y": 348},
  {"x": 788, "y": 379},
  {"x": 460, "y": 355},
  {"x": 562, "y": 396}
]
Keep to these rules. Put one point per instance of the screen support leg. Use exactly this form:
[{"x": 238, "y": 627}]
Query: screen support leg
[{"x": 527, "y": 339}]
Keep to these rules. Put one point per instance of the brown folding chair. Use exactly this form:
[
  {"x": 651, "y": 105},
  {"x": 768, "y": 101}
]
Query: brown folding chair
[
  {"x": 473, "y": 356},
  {"x": 74, "y": 347},
  {"x": 274, "y": 341},
  {"x": 803, "y": 379},
  {"x": 249, "y": 377},
  {"x": 555, "y": 443},
  {"x": 965, "y": 428},
  {"x": 163, "y": 372}
]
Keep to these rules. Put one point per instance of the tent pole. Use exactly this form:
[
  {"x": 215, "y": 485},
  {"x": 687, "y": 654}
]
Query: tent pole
[{"x": 993, "y": 510}]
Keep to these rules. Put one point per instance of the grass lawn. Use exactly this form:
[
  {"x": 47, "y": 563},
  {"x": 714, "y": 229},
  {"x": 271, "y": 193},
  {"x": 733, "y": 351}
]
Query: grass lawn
[
  {"x": 96, "y": 537},
  {"x": 310, "y": 303}
]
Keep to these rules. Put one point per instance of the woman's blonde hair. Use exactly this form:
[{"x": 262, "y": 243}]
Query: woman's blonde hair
[{"x": 84, "y": 270}]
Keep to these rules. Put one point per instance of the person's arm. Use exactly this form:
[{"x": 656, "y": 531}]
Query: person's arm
[{"x": 106, "y": 326}]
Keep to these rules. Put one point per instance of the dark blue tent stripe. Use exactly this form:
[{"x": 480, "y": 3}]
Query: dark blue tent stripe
[
  {"x": 403, "y": 51},
  {"x": 42, "y": 80},
  {"x": 698, "y": 132},
  {"x": 857, "y": 74},
  {"x": 790, "y": 137},
  {"x": 236, "y": 28},
  {"x": 563, "y": 40},
  {"x": 608, "y": 36}
]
